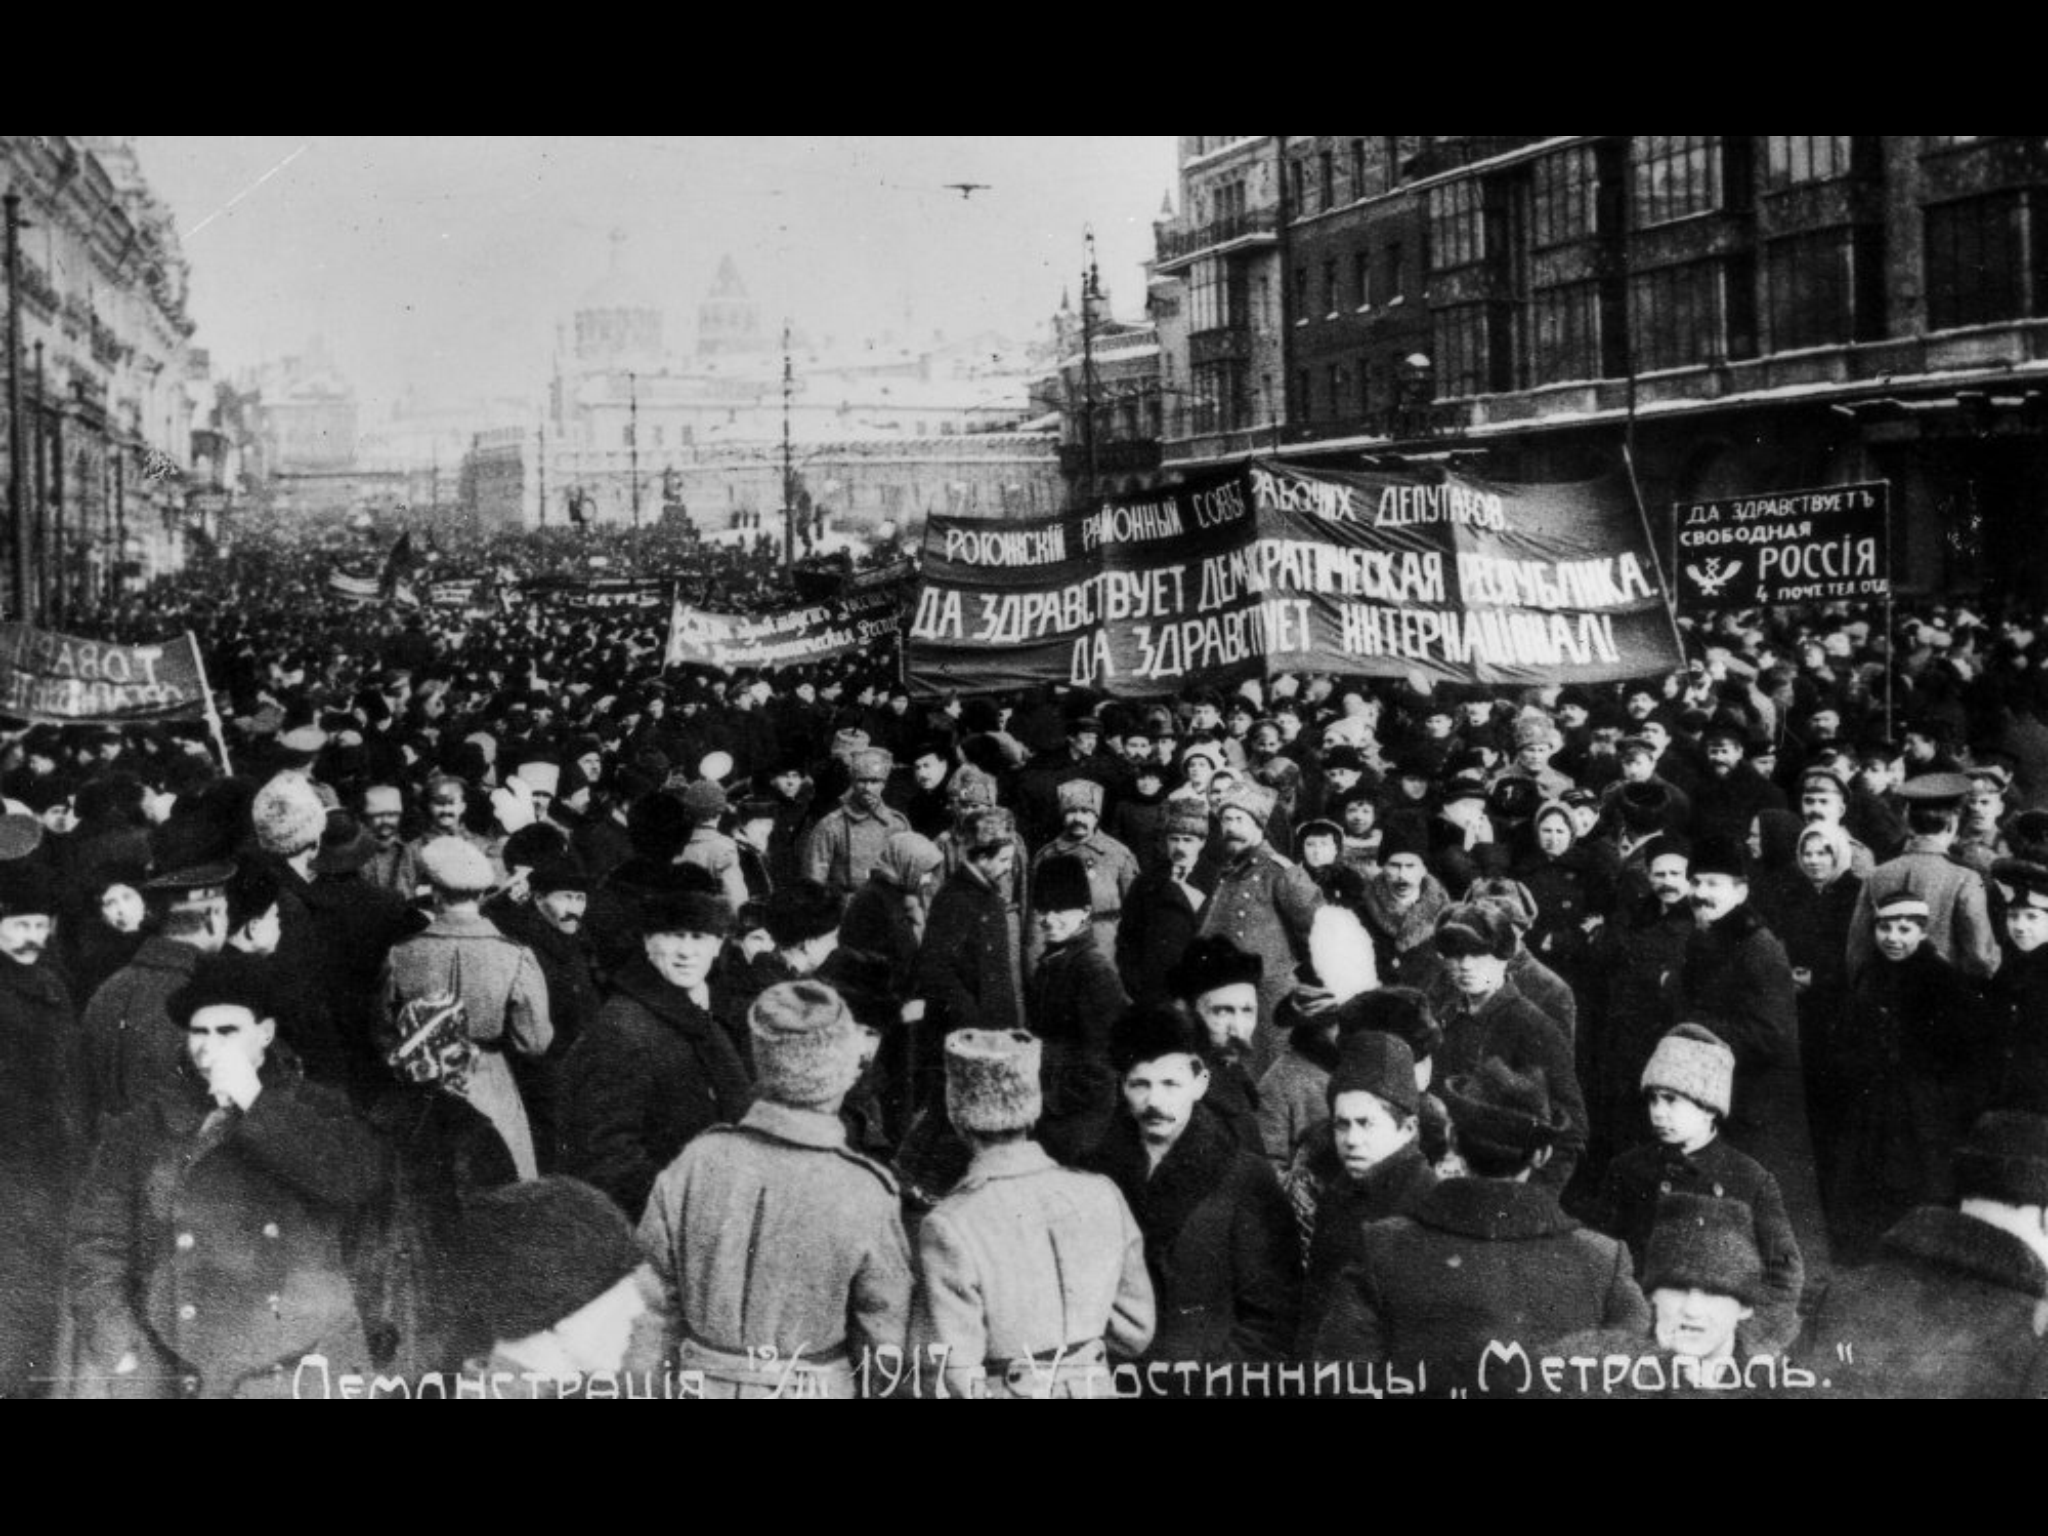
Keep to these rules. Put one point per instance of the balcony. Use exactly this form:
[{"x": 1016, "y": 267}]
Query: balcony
[{"x": 1256, "y": 226}]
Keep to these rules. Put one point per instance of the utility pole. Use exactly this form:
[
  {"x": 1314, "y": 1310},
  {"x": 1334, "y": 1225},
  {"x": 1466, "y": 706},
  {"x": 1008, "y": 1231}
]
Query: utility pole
[
  {"x": 540, "y": 439},
  {"x": 633, "y": 439},
  {"x": 22, "y": 585},
  {"x": 1091, "y": 291},
  {"x": 52, "y": 527},
  {"x": 788, "y": 465}
]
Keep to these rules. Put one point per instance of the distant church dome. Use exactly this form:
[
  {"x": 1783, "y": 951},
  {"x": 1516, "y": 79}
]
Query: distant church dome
[{"x": 618, "y": 321}]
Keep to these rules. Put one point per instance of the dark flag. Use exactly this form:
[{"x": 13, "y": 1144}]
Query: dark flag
[{"x": 398, "y": 563}]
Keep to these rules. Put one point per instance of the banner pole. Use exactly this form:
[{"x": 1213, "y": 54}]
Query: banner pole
[
  {"x": 1664, "y": 580},
  {"x": 1891, "y": 642},
  {"x": 220, "y": 737}
]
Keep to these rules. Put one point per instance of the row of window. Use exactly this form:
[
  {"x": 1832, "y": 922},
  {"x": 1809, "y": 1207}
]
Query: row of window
[
  {"x": 1371, "y": 278},
  {"x": 1329, "y": 178}
]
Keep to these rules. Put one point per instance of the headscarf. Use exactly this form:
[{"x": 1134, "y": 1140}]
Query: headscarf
[{"x": 1837, "y": 841}]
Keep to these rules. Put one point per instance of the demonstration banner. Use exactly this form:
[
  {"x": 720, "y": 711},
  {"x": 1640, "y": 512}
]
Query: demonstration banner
[
  {"x": 789, "y": 637},
  {"x": 458, "y": 593},
  {"x": 599, "y": 594},
  {"x": 48, "y": 678},
  {"x": 354, "y": 589},
  {"x": 1270, "y": 568},
  {"x": 1785, "y": 547}
]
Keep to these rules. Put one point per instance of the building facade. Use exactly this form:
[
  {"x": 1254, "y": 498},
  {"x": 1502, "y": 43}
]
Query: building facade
[
  {"x": 111, "y": 386},
  {"x": 1751, "y": 312}
]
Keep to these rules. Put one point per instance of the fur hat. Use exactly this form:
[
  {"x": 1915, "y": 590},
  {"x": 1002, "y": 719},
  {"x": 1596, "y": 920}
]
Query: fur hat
[
  {"x": 2025, "y": 881},
  {"x": 1475, "y": 928},
  {"x": 541, "y": 774},
  {"x": 288, "y": 816},
  {"x": 1696, "y": 1063},
  {"x": 1255, "y": 800},
  {"x": 1510, "y": 895},
  {"x": 1185, "y": 818},
  {"x": 1403, "y": 837},
  {"x": 27, "y": 889},
  {"x": 801, "y": 911},
  {"x": 658, "y": 825},
  {"x": 871, "y": 763},
  {"x": 1080, "y": 795},
  {"x": 687, "y": 911},
  {"x": 1700, "y": 1244},
  {"x": 1645, "y": 807},
  {"x": 1210, "y": 963},
  {"x": 1535, "y": 730},
  {"x": 534, "y": 845},
  {"x": 457, "y": 867},
  {"x": 537, "y": 1253},
  {"x": 986, "y": 827},
  {"x": 705, "y": 800},
  {"x": 970, "y": 786},
  {"x": 807, "y": 1051},
  {"x": 1381, "y": 1065},
  {"x": 563, "y": 871},
  {"x": 1403, "y": 1012},
  {"x": 1146, "y": 1034},
  {"x": 344, "y": 846},
  {"x": 2005, "y": 1159},
  {"x": 1500, "y": 1110},
  {"x": 1719, "y": 855},
  {"x": 1060, "y": 884},
  {"x": 992, "y": 1080}
]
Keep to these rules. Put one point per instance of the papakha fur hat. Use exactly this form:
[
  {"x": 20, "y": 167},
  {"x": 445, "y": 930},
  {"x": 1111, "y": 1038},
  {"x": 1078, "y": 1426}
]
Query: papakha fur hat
[
  {"x": 992, "y": 1080},
  {"x": 288, "y": 816},
  {"x": 807, "y": 1049}
]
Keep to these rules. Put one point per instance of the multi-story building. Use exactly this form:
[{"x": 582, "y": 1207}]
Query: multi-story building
[
  {"x": 110, "y": 393},
  {"x": 1752, "y": 312},
  {"x": 1106, "y": 393}
]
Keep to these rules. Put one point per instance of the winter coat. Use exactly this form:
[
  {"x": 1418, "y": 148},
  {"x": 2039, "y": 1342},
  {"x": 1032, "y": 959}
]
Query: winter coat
[
  {"x": 1736, "y": 981},
  {"x": 503, "y": 995},
  {"x": 1025, "y": 1258},
  {"x": 653, "y": 1072},
  {"x": 218, "y": 1247},
  {"x": 1633, "y": 958},
  {"x": 1293, "y": 1093},
  {"x": 1951, "y": 1309},
  {"x": 1397, "y": 935},
  {"x": 131, "y": 1051},
  {"x": 877, "y": 922},
  {"x": 1568, "y": 890},
  {"x": 1509, "y": 1026},
  {"x": 336, "y": 935},
  {"x": 1160, "y": 920},
  {"x": 1112, "y": 871},
  {"x": 1071, "y": 1003},
  {"x": 1960, "y": 925},
  {"x": 1220, "y": 1243},
  {"x": 1910, "y": 1060},
  {"x": 1726, "y": 807},
  {"x": 1479, "y": 1261},
  {"x": 842, "y": 849},
  {"x": 1344, "y": 1208},
  {"x": 773, "y": 1234},
  {"x": 1637, "y": 1180},
  {"x": 1266, "y": 904},
  {"x": 967, "y": 973},
  {"x": 2018, "y": 1008},
  {"x": 42, "y": 1152}
]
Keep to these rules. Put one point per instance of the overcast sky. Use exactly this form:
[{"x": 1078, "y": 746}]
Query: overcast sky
[{"x": 446, "y": 262}]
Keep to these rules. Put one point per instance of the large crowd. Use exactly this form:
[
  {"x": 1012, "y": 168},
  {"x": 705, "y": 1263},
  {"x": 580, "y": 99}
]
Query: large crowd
[{"x": 483, "y": 1001}]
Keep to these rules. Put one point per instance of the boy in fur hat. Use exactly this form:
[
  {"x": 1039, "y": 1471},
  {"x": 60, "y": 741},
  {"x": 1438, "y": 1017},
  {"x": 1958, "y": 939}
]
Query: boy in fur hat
[
  {"x": 1030, "y": 1277},
  {"x": 1484, "y": 1259},
  {"x": 773, "y": 1234},
  {"x": 1689, "y": 1087}
]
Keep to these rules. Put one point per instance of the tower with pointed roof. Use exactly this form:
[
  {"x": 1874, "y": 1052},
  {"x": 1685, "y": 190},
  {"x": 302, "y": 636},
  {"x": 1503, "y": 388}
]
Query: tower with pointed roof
[{"x": 728, "y": 320}]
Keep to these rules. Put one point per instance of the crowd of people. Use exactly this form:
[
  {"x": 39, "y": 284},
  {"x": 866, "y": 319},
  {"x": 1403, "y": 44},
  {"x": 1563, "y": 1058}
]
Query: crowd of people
[{"x": 507, "y": 1003}]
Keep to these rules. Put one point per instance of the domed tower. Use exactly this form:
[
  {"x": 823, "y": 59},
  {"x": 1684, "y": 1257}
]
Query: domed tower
[
  {"x": 727, "y": 320},
  {"x": 618, "y": 323}
]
